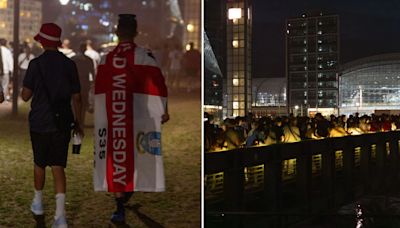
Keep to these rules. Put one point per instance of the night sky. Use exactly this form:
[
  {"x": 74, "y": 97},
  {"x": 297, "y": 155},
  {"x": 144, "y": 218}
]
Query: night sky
[{"x": 367, "y": 27}]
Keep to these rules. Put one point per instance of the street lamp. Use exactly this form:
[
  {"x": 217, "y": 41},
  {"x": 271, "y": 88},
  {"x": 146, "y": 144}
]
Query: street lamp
[{"x": 64, "y": 2}]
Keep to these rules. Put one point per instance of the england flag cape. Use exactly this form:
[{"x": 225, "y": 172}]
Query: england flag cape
[{"x": 130, "y": 98}]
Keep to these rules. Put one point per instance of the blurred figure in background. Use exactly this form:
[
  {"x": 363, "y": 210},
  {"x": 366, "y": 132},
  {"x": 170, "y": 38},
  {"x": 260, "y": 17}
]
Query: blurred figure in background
[
  {"x": 6, "y": 67},
  {"x": 275, "y": 134},
  {"x": 232, "y": 136},
  {"x": 66, "y": 50},
  {"x": 93, "y": 54},
  {"x": 23, "y": 62},
  {"x": 174, "y": 68},
  {"x": 85, "y": 68},
  {"x": 291, "y": 132},
  {"x": 191, "y": 62},
  {"x": 1, "y": 95}
]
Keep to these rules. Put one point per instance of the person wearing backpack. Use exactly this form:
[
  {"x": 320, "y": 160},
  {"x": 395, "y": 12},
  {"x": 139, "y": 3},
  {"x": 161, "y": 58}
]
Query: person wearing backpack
[{"x": 52, "y": 82}]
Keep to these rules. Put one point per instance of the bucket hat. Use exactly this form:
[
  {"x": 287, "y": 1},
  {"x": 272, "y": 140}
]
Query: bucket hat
[{"x": 49, "y": 35}]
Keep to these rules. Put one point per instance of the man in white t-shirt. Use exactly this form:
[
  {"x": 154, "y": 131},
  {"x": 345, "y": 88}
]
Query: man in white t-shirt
[
  {"x": 93, "y": 54},
  {"x": 174, "y": 69},
  {"x": 66, "y": 50},
  {"x": 6, "y": 66},
  {"x": 23, "y": 62}
]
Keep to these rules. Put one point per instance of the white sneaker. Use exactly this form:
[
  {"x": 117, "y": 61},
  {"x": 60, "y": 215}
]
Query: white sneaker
[
  {"x": 60, "y": 222},
  {"x": 37, "y": 208}
]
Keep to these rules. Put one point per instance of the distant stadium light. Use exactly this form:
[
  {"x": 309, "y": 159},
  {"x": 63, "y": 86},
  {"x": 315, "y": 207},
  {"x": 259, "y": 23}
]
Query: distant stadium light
[
  {"x": 64, "y": 2},
  {"x": 234, "y": 13}
]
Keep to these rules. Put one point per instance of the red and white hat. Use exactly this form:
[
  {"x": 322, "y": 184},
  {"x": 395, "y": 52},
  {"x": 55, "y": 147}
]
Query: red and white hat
[{"x": 49, "y": 35}]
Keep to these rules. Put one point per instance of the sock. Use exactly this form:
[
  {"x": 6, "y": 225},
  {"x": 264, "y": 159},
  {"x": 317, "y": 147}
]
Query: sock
[
  {"x": 127, "y": 196},
  {"x": 37, "y": 199},
  {"x": 120, "y": 204},
  {"x": 60, "y": 203}
]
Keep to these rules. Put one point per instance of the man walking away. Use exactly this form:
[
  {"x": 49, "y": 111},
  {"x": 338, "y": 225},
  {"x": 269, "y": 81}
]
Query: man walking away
[
  {"x": 85, "y": 69},
  {"x": 130, "y": 106},
  {"x": 23, "y": 62},
  {"x": 51, "y": 81},
  {"x": 66, "y": 50},
  {"x": 192, "y": 66}
]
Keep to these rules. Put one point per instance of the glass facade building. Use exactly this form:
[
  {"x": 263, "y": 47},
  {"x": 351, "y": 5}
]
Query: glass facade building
[
  {"x": 269, "y": 92},
  {"x": 238, "y": 35},
  {"x": 370, "y": 84},
  {"x": 312, "y": 56}
]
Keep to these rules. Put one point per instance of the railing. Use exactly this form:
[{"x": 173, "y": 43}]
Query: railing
[{"x": 308, "y": 177}]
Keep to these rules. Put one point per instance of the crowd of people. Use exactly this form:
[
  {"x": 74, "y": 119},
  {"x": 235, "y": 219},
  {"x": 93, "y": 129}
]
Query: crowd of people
[
  {"x": 250, "y": 131},
  {"x": 181, "y": 69},
  {"x": 60, "y": 83},
  {"x": 86, "y": 59}
]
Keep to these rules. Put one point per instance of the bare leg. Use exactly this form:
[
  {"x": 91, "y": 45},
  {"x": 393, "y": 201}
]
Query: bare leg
[
  {"x": 59, "y": 179},
  {"x": 39, "y": 177}
]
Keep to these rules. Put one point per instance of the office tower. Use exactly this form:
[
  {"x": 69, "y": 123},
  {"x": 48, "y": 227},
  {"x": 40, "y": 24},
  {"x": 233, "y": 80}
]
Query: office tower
[
  {"x": 239, "y": 51},
  {"x": 312, "y": 56}
]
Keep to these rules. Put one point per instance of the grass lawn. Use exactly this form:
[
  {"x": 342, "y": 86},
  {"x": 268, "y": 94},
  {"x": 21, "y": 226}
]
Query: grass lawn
[{"x": 179, "y": 206}]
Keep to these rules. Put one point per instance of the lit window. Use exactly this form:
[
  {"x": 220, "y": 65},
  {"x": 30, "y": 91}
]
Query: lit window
[
  {"x": 235, "y": 82},
  {"x": 319, "y": 32},
  {"x": 320, "y": 23},
  {"x": 305, "y": 41},
  {"x": 287, "y": 31},
  {"x": 234, "y": 13},
  {"x": 320, "y": 41},
  {"x": 235, "y": 43},
  {"x": 64, "y": 2},
  {"x": 190, "y": 28},
  {"x": 235, "y": 105}
]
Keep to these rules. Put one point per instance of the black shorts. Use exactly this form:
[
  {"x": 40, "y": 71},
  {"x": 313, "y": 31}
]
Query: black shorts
[{"x": 50, "y": 148}]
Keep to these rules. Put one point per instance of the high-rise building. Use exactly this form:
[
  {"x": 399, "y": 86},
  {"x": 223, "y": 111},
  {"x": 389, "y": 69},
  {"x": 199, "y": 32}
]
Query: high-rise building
[
  {"x": 239, "y": 51},
  {"x": 312, "y": 57},
  {"x": 30, "y": 19},
  {"x": 214, "y": 55}
]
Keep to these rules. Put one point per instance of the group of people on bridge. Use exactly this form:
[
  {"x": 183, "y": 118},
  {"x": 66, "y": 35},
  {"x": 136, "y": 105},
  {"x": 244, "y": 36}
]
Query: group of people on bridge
[{"x": 250, "y": 131}]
